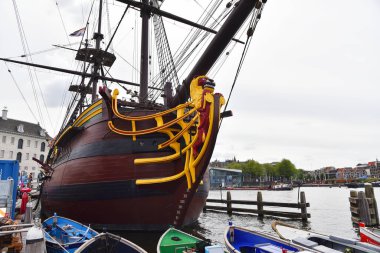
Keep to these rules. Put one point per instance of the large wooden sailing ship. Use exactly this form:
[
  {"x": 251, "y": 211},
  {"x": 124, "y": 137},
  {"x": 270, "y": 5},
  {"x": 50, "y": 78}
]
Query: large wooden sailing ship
[{"x": 139, "y": 165}]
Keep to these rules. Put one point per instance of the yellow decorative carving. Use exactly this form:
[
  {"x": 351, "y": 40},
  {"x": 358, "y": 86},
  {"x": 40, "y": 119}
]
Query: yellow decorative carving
[
  {"x": 179, "y": 134},
  {"x": 61, "y": 136},
  {"x": 151, "y": 130},
  {"x": 133, "y": 129},
  {"x": 84, "y": 113},
  {"x": 196, "y": 91},
  {"x": 93, "y": 114},
  {"x": 160, "y": 180},
  {"x": 187, "y": 116},
  {"x": 159, "y": 121},
  {"x": 175, "y": 146}
]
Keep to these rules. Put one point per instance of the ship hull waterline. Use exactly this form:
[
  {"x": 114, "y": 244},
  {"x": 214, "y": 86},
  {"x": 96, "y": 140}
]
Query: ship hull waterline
[{"x": 95, "y": 182}]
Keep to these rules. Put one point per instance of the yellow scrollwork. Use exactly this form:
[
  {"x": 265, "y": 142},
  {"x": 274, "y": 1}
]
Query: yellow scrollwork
[{"x": 188, "y": 118}]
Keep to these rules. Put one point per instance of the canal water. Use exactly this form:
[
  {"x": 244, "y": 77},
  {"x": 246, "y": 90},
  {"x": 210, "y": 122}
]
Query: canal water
[{"x": 329, "y": 209}]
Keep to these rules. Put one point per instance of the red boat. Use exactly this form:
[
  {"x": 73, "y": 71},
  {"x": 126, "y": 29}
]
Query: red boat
[
  {"x": 128, "y": 165},
  {"x": 370, "y": 235}
]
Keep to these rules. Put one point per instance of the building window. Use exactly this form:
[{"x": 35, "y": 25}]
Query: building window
[
  {"x": 42, "y": 133},
  {"x": 33, "y": 168},
  {"x": 26, "y": 168},
  {"x": 10, "y": 154},
  {"x": 4, "y": 139},
  {"x": 28, "y": 143},
  {"x": 20, "y": 143},
  {"x": 19, "y": 157},
  {"x": 43, "y": 146},
  {"x": 27, "y": 156},
  {"x": 12, "y": 140},
  {"x": 42, "y": 158},
  {"x": 35, "y": 155},
  {"x": 20, "y": 128},
  {"x": 36, "y": 144},
  {"x": 1, "y": 153}
]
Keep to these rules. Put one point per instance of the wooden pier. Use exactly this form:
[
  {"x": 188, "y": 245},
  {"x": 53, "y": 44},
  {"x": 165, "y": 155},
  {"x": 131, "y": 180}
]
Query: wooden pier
[
  {"x": 260, "y": 204},
  {"x": 363, "y": 207}
]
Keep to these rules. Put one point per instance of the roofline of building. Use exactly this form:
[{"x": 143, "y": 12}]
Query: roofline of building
[
  {"x": 47, "y": 137},
  {"x": 224, "y": 169}
]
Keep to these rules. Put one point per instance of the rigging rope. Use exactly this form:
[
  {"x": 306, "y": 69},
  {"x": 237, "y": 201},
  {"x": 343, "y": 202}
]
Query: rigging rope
[
  {"x": 74, "y": 99},
  {"x": 56, "y": 47},
  {"x": 167, "y": 68},
  {"x": 181, "y": 58},
  {"x": 22, "y": 95},
  {"x": 256, "y": 15},
  {"x": 26, "y": 50},
  {"x": 215, "y": 69},
  {"x": 63, "y": 23},
  {"x": 116, "y": 29}
]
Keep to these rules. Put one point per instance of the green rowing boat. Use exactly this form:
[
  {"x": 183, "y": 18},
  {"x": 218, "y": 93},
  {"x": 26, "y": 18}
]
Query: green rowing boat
[{"x": 176, "y": 241}]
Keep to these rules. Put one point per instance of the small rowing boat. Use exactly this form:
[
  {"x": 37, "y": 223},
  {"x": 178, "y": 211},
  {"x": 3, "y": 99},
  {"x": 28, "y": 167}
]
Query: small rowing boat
[
  {"x": 177, "y": 241},
  {"x": 65, "y": 235},
  {"x": 242, "y": 240},
  {"x": 107, "y": 242},
  {"x": 320, "y": 242},
  {"x": 370, "y": 235}
]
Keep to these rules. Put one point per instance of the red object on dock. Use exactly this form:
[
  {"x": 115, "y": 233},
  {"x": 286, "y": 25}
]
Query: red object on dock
[{"x": 24, "y": 199}]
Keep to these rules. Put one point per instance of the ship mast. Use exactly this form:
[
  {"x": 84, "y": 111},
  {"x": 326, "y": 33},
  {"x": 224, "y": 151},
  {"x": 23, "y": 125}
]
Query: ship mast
[
  {"x": 98, "y": 38},
  {"x": 145, "y": 14}
]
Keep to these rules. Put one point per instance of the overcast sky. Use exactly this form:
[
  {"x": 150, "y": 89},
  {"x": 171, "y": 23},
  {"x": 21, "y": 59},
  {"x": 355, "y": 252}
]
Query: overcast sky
[{"x": 308, "y": 91}]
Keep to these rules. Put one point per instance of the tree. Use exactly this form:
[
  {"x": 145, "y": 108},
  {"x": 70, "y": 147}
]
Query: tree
[
  {"x": 300, "y": 174},
  {"x": 286, "y": 169},
  {"x": 254, "y": 168},
  {"x": 270, "y": 170},
  {"x": 235, "y": 165}
]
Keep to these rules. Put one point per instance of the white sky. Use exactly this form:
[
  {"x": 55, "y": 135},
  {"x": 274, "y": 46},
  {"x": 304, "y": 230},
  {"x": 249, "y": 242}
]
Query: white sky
[{"x": 309, "y": 89}]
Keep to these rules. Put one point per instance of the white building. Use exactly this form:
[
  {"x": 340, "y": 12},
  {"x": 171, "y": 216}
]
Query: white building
[{"x": 20, "y": 140}]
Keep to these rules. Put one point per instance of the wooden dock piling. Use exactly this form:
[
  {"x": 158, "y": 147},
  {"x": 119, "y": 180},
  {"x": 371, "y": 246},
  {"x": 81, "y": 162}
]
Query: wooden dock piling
[
  {"x": 369, "y": 192},
  {"x": 260, "y": 211},
  {"x": 229, "y": 204},
  {"x": 363, "y": 207},
  {"x": 303, "y": 207},
  {"x": 260, "y": 206}
]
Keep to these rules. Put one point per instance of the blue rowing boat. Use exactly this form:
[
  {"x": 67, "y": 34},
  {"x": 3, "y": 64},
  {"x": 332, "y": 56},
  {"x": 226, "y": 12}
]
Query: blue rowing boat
[
  {"x": 241, "y": 240},
  {"x": 64, "y": 235}
]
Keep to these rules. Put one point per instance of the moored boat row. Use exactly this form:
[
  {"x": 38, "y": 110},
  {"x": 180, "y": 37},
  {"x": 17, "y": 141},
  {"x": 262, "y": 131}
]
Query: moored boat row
[
  {"x": 62, "y": 235},
  {"x": 320, "y": 242}
]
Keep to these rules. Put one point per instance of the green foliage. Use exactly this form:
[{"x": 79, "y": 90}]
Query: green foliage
[
  {"x": 283, "y": 169},
  {"x": 301, "y": 174},
  {"x": 254, "y": 168},
  {"x": 271, "y": 171},
  {"x": 286, "y": 169}
]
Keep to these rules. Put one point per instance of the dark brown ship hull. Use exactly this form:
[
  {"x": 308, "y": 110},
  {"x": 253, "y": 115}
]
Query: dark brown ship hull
[{"x": 94, "y": 180}]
